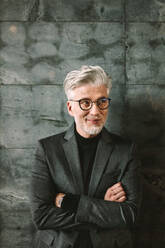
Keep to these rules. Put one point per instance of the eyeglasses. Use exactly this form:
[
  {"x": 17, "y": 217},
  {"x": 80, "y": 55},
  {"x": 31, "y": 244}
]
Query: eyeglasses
[{"x": 86, "y": 104}]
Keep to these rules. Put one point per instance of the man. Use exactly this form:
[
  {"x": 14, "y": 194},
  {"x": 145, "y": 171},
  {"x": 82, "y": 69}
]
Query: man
[{"x": 85, "y": 183}]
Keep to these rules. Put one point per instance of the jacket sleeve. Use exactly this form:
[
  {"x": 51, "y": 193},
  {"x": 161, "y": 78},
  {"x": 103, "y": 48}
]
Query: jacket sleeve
[
  {"x": 42, "y": 193},
  {"x": 107, "y": 214}
]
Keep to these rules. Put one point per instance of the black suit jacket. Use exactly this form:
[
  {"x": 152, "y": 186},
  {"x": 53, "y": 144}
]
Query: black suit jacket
[{"x": 57, "y": 169}]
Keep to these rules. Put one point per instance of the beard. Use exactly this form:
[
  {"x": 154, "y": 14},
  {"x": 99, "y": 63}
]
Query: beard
[{"x": 94, "y": 130}]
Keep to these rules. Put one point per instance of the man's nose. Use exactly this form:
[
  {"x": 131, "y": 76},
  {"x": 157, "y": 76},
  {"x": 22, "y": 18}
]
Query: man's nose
[{"x": 95, "y": 109}]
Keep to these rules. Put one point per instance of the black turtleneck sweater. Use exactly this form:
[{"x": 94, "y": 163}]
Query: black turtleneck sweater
[{"x": 87, "y": 151}]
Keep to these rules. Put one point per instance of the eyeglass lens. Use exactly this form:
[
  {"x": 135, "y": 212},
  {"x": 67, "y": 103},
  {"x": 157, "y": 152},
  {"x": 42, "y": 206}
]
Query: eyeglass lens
[{"x": 102, "y": 103}]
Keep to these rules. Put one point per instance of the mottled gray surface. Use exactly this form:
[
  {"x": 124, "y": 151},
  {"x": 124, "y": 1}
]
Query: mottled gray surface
[
  {"x": 145, "y": 53},
  {"x": 145, "y": 10},
  {"x": 42, "y": 53},
  {"x": 63, "y": 10},
  {"x": 42, "y": 40},
  {"x": 15, "y": 218}
]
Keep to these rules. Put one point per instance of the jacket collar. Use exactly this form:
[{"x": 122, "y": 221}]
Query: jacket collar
[
  {"x": 103, "y": 152},
  {"x": 105, "y": 135}
]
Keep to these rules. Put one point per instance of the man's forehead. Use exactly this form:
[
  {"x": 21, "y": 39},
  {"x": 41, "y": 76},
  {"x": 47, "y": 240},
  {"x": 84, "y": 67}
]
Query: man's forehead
[{"x": 89, "y": 89}]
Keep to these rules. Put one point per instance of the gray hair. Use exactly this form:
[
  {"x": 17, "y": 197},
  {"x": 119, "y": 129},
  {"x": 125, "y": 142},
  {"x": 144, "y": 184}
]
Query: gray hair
[{"x": 86, "y": 75}]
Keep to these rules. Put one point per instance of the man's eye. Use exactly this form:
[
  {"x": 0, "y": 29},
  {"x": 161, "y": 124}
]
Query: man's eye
[
  {"x": 85, "y": 103},
  {"x": 102, "y": 101}
]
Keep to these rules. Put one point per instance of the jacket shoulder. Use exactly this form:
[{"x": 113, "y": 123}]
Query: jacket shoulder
[
  {"x": 116, "y": 138},
  {"x": 120, "y": 139},
  {"x": 123, "y": 145},
  {"x": 56, "y": 138}
]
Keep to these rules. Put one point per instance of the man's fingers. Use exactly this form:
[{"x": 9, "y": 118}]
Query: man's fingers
[
  {"x": 117, "y": 190},
  {"x": 118, "y": 198},
  {"x": 122, "y": 199},
  {"x": 116, "y": 185},
  {"x": 115, "y": 193},
  {"x": 119, "y": 195}
]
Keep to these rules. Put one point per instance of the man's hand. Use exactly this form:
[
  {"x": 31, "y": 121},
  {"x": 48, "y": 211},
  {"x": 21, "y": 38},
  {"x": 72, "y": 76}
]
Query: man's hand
[
  {"x": 115, "y": 193},
  {"x": 58, "y": 199}
]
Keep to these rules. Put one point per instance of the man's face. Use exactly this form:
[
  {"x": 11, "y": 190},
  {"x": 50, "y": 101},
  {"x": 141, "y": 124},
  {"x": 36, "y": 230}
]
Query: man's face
[{"x": 88, "y": 123}]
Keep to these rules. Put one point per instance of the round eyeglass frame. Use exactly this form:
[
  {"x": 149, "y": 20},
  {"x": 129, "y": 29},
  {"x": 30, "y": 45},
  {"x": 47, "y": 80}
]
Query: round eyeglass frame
[{"x": 92, "y": 102}]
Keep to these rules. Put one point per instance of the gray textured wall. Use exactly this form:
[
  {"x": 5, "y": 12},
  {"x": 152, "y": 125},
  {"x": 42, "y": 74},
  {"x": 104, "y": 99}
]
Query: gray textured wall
[{"x": 42, "y": 40}]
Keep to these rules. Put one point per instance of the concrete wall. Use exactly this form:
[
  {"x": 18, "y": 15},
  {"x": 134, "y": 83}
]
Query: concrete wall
[{"x": 42, "y": 40}]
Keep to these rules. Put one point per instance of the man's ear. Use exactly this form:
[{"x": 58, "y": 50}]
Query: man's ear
[{"x": 69, "y": 107}]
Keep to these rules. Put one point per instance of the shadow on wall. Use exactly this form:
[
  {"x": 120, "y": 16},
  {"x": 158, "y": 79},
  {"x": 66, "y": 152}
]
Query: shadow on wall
[{"x": 146, "y": 124}]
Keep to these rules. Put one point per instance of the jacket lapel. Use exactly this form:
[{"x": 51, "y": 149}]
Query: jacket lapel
[
  {"x": 104, "y": 150},
  {"x": 71, "y": 152}
]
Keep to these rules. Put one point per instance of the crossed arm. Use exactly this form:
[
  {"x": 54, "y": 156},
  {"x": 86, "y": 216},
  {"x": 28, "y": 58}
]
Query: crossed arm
[{"x": 114, "y": 193}]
